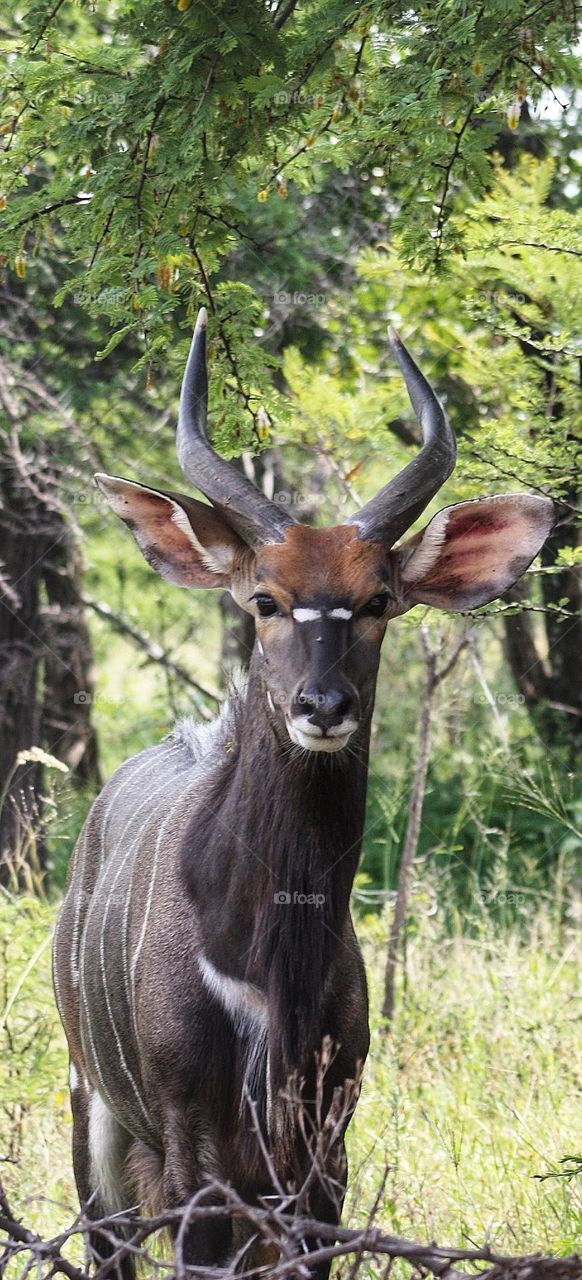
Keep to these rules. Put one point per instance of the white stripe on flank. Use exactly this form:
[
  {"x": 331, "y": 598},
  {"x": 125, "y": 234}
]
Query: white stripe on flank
[
  {"x": 83, "y": 998},
  {"x": 306, "y": 615},
  {"x": 76, "y": 931},
  {"x": 343, "y": 614},
  {"x": 134, "y": 773},
  {"x": 129, "y": 978},
  {"x": 270, "y": 700},
  {"x": 122, "y": 1059},
  {"x": 171, "y": 749},
  {"x": 260, "y": 648},
  {"x": 81, "y": 849},
  {"x": 142, "y": 935}
]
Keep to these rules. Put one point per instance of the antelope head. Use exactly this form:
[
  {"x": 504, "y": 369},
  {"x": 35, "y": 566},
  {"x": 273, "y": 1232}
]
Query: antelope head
[{"x": 322, "y": 598}]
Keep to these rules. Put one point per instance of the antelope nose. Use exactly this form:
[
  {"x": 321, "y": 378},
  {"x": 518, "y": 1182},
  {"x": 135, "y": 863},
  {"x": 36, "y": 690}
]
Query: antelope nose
[{"x": 325, "y": 707}]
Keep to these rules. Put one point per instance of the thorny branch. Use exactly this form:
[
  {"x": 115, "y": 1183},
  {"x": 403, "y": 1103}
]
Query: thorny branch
[{"x": 302, "y": 1243}]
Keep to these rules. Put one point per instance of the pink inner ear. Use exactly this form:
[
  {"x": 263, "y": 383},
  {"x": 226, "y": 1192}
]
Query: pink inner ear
[
  {"x": 170, "y": 549},
  {"x": 472, "y": 553}
]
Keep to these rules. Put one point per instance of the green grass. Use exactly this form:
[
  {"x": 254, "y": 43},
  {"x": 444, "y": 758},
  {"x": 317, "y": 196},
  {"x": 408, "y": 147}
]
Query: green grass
[{"x": 474, "y": 1093}]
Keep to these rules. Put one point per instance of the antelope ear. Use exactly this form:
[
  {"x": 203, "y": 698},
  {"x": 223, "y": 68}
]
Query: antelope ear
[
  {"x": 184, "y": 540},
  {"x": 473, "y": 552}
]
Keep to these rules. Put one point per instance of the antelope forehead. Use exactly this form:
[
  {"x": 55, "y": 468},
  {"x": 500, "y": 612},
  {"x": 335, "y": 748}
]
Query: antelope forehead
[{"x": 321, "y": 568}]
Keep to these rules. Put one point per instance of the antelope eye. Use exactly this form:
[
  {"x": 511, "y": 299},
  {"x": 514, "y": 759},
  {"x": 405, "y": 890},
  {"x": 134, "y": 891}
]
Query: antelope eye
[
  {"x": 266, "y": 606},
  {"x": 376, "y": 606}
]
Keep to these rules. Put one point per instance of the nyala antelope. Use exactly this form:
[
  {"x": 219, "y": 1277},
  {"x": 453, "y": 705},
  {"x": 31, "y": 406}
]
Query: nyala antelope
[{"x": 205, "y": 950}]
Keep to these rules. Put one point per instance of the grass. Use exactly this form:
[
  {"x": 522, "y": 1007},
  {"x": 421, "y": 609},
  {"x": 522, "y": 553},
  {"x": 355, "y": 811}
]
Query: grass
[{"x": 475, "y": 1092}]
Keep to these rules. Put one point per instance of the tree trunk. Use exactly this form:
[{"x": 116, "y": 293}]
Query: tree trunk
[
  {"x": 24, "y": 538},
  {"x": 45, "y": 652},
  {"x": 69, "y": 687}
]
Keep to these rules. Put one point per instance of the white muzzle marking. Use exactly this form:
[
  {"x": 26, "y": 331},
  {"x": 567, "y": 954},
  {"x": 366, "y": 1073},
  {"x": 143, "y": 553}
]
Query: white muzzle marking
[{"x": 312, "y": 738}]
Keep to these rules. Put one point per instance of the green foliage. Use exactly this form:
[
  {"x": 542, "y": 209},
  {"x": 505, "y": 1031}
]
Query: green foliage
[
  {"x": 515, "y": 282},
  {"x": 311, "y": 180},
  {"x": 35, "y": 1121},
  {"x": 24, "y": 940},
  {"x": 148, "y": 139}
]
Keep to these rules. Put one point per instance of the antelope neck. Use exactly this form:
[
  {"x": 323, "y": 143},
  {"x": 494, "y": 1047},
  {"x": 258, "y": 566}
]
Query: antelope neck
[{"x": 270, "y": 860}]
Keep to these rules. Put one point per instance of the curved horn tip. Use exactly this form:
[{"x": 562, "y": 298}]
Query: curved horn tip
[
  {"x": 201, "y": 320},
  {"x": 394, "y": 336}
]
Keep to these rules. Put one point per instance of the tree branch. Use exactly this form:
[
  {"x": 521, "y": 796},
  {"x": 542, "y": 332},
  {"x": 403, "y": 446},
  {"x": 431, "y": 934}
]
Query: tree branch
[
  {"x": 302, "y": 1242},
  {"x": 155, "y": 653}
]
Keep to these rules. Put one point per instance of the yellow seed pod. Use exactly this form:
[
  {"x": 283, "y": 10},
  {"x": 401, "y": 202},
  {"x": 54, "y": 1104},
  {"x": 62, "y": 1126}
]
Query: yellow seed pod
[
  {"x": 282, "y": 190},
  {"x": 262, "y": 424},
  {"x": 360, "y": 104},
  {"x": 351, "y": 92},
  {"x": 183, "y": 4},
  {"x": 318, "y": 101},
  {"x": 262, "y": 196},
  {"x": 477, "y": 67},
  {"x": 336, "y": 114},
  {"x": 166, "y": 275},
  {"x": 2, "y": 202},
  {"x": 310, "y": 139},
  {"x": 513, "y": 115},
  {"x": 20, "y": 265}
]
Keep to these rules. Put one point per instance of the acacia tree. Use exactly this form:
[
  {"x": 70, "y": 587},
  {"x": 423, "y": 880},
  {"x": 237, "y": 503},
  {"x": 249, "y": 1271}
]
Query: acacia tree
[{"x": 154, "y": 136}]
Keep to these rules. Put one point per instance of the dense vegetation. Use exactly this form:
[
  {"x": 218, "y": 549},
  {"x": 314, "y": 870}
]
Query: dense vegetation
[
  {"x": 311, "y": 172},
  {"x": 465, "y": 1110}
]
